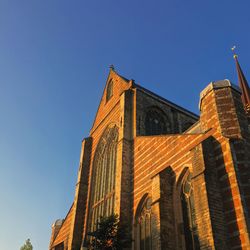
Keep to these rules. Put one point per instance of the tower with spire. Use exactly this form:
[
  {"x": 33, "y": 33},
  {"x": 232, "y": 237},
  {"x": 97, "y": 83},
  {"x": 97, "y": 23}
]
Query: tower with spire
[{"x": 243, "y": 85}]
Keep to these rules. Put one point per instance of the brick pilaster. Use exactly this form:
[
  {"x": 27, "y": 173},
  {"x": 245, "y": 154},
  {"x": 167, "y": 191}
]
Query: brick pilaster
[
  {"x": 167, "y": 228},
  {"x": 222, "y": 110},
  {"x": 202, "y": 212},
  {"x": 124, "y": 173},
  {"x": 80, "y": 201}
]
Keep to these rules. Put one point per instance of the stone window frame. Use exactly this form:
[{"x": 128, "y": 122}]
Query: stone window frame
[
  {"x": 102, "y": 197},
  {"x": 109, "y": 90},
  {"x": 162, "y": 115},
  {"x": 143, "y": 215},
  {"x": 180, "y": 230}
]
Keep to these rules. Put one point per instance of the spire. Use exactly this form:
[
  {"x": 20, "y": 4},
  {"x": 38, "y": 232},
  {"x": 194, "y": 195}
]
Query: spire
[{"x": 243, "y": 84}]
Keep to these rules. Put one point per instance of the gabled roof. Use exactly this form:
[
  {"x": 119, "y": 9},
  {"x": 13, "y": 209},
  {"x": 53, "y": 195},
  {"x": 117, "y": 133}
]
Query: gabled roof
[
  {"x": 120, "y": 85},
  {"x": 171, "y": 104}
]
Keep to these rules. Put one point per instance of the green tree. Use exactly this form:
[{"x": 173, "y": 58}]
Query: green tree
[
  {"x": 110, "y": 234},
  {"x": 27, "y": 245}
]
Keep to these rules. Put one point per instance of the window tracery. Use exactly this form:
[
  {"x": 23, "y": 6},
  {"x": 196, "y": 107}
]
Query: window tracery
[
  {"x": 144, "y": 240},
  {"x": 188, "y": 212},
  {"x": 103, "y": 180},
  {"x": 156, "y": 122}
]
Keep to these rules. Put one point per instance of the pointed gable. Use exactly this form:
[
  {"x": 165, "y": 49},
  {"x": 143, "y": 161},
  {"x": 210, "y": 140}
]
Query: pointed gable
[{"x": 115, "y": 86}]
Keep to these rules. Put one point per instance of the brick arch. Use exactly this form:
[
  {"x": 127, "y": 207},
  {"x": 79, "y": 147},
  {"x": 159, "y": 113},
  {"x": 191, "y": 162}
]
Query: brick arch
[
  {"x": 140, "y": 205},
  {"x": 181, "y": 177}
]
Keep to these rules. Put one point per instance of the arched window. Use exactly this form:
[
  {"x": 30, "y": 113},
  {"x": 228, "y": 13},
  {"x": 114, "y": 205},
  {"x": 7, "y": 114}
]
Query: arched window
[
  {"x": 103, "y": 177},
  {"x": 156, "y": 122},
  {"x": 143, "y": 226},
  {"x": 188, "y": 212},
  {"x": 109, "y": 92}
]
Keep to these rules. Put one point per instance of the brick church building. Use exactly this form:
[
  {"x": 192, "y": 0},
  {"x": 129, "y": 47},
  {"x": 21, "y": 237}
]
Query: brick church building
[{"x": 178, "y": 180}]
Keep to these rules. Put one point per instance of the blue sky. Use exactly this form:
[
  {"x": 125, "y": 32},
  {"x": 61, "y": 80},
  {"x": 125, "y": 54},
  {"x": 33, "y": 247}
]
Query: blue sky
[{"x": 54, "y": 59}]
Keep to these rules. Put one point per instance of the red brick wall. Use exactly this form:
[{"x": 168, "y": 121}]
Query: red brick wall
[
  {"x": 217, "y": 153},
  {"x": 64, "y": 231},
  {"x": 222, "y": 109},
  {"x": 222, "y": 118}
]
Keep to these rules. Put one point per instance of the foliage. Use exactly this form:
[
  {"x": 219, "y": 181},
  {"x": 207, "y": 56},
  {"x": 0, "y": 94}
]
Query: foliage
[
  {"x": 27, "y": 245},
  {"x": 110, "y": 234}
]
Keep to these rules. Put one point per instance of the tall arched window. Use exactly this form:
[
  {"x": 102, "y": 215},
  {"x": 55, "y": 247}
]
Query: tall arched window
[
  {"x": 188, "y": 212},
  {"x": 103, "y": 177},
  {"x": 109, "y": 92},
  {"x": 156, "y": 122},
  {"x": 143, "y": 226}
]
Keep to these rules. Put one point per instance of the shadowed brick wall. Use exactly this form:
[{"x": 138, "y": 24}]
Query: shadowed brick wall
[
  {"x": 80, "y": 202},
  {"x": 222, "y": 110}
]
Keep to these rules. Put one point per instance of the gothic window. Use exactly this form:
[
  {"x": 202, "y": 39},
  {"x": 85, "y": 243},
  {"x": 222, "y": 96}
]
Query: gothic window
[
  {"x": 188, "y": 212},
  {"x": 103, "y": 180},
  {"x": 156, "y": 122},
  {"x": 144, "y": 241},
  {"x": 109, "y": 92}
]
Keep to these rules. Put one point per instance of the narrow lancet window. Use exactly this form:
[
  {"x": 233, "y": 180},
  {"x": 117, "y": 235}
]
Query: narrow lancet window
[
  {"x": 143, "y": 227},
  {"x": 109, "y": 92},
  {"x": 188, "y": 212}
]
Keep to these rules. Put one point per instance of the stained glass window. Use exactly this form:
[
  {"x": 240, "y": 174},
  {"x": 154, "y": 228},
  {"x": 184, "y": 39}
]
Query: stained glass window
[
  {"x": 156, "y": 122},
  {"x": 103, "y": 177}
]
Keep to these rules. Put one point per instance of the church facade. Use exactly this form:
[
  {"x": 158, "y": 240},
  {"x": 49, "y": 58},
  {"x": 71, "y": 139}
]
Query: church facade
[{"x": 177, "y": 180}]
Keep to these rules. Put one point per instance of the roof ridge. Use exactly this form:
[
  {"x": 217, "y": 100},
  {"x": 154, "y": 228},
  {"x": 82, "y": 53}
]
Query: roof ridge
[{"x": 166, "y": 100}]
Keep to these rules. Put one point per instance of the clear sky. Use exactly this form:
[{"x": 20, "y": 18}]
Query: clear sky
[{"x": 54, "y": 61}]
